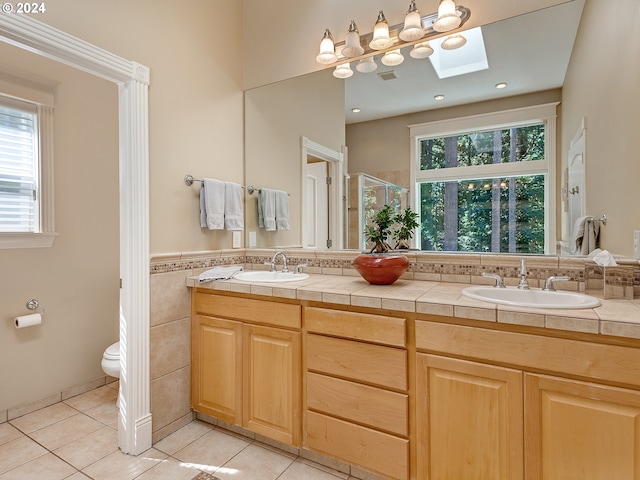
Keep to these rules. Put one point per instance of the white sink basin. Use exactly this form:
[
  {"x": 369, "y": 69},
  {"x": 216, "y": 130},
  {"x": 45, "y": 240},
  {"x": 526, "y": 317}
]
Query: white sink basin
[
  {"x": 271, "y": 277},
  {"x": 531, "y": 298}
]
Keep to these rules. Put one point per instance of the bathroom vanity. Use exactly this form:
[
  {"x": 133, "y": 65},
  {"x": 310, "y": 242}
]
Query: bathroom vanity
[{"x": 407, "y": 383}]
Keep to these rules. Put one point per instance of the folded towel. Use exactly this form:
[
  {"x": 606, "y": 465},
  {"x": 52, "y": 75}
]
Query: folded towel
[
  {"x": 219, "y": 273},
  {"x": 282, "y": 210},
  {"x": 233, "y": 218},
  {"x": 214, "y": 193},
  {"x": 605, "y": 259},
  {"x": 267, "y": 204}
]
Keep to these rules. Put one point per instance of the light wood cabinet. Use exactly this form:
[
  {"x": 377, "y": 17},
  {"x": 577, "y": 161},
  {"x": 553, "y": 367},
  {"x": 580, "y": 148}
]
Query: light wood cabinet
[
  {"x": 272, "y": 375},
  {"x": 216, "y": 373},
  {"x": 357, "y": 402},
  {"x": 244, "y": 373},
  {"x": 470, "y": 420},
  {"x": 580, "y": 431}
]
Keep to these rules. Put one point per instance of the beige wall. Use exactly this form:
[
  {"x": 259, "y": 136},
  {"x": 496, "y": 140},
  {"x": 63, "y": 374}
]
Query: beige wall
[
  {"x": 195, "y": 98},
  {"x": 277, "y": 116},
  {"x": 287, "y": 33},
  {"x": 76, "y": 280},
  {"x": 196, "y": 127},
  {"x": 602, "y": 86}
]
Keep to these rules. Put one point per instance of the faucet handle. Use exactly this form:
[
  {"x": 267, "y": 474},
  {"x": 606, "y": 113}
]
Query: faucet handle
[
  {"x": 298, "y": 267},
  {"x": 272, "y": 266},
  {"x": 548, "y": 285},
  {"x": 497, "y": 278}
]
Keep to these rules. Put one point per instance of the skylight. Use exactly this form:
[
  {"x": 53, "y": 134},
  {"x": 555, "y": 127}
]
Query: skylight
[{"x": 471, "y": 57}]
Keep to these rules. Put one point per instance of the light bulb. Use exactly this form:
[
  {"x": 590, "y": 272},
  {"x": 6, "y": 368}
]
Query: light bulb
[
  {"x": 381, "y": 39},
  {"x": 343, "y": 71},
  {"x": 352, "y": 47},
  {"x": 453, "y": 41},
  {"x": 327, "y": 53},
  {"x": 447, "y": 19},
  {"x": 421, "y": 50},
  {"x": 367, "y": 65},
  {"x": 392, "y": 58},
  {"x": 412, "y": 25}
]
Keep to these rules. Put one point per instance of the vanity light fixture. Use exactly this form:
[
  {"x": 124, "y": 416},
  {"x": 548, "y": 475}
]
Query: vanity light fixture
[
  {"x": 392, "y": 58},
  {"x": 448, "y": 18},
  {"x": 453, "y": 42},
  {"x": 367, "y": 65},
  {"x": 352, "y": 47},
  {"x": 381, "y": 38},
  {"x": 327, "y": 54},
  {"x": 414, "y": 32},
  {"x": 501, "y": 85},
  {"x": 438, "y": 97},
  {"x": 343, "y": 71},
  {"x": 412, "y": 25}
]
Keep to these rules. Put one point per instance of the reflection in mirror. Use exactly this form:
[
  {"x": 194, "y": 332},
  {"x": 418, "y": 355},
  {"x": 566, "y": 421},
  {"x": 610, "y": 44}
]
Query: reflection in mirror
[{"x": 540, "y": 66}]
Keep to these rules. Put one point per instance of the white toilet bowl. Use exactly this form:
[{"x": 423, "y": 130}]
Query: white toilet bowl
[{"x": 111, "y": 360}]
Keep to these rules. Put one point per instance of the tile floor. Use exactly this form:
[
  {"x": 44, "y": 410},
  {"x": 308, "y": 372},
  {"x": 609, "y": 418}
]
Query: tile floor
[{"x": 77, "y": 439}]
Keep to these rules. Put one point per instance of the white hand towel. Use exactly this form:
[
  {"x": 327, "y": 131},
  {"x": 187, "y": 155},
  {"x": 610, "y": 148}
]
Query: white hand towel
[
  {"x": 267, "y": 200},
  {"x": 213, "y": 203},
  {"x": 219, "y": 273},
  {"x": 585, "y": 235},
  {"x": 233, "y": 218},
  {"x": 282, "y": 210}
]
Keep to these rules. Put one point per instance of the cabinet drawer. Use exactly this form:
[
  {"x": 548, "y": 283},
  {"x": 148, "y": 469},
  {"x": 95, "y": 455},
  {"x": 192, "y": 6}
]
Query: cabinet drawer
[
  {"x": 381, "y": 409},
  {"x": 374, "y": 364},
  {"x": 248, "y": 309},
  {"x": 358, "y": 445},
  {"x": 358, "y": 326}
]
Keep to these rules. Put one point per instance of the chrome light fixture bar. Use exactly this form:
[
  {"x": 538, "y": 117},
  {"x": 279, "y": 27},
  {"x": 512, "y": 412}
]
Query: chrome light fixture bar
[{"x": 396, "y": 35}]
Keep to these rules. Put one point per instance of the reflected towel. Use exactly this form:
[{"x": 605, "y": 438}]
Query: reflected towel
[
  {"x": 233, "y": 218},
  {"x": 282, "y": 210},
  {"x": 585, "y": 235},
  {"x": 212, "y": 199}
]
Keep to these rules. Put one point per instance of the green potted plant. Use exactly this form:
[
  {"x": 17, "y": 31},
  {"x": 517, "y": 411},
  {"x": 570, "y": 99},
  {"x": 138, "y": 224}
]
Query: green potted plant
[
  {"x": 408, "y": 222},
  {"x": 381, "y": 265}
]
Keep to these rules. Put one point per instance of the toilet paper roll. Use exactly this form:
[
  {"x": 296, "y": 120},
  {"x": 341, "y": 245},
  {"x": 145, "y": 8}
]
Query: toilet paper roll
[{"x": 28, "y": 320}]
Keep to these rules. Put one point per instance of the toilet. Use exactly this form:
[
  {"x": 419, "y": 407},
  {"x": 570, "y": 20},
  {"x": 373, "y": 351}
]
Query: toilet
[{"x": 111, "y": 360}]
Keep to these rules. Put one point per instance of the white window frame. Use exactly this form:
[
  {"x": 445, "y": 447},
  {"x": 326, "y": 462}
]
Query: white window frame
[
  {"x": 45, "y": 234},
  {"x": 524, "y": 116}
]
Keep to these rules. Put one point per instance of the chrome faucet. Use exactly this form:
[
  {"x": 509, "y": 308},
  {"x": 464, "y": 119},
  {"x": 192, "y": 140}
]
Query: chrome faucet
[
  {"x": 497, "y": 278},
  {"x": 548, "y": 285},
  {"x": 274, "y": 259},
  {"x": 523, "y": 285}
]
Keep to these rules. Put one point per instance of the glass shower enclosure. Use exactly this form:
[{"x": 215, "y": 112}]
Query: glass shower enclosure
[{"x": 365, "y": 195}]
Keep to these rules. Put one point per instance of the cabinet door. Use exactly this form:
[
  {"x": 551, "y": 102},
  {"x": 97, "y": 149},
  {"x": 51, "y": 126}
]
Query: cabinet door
[
  {"x": 216, "y": 377},
  {"x": 272, "y": 377},
  {"x": 469, "y": 420},
  {"x": 580, "y": 431}
]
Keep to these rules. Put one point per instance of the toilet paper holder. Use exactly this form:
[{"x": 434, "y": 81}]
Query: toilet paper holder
[{"x": 33, "y": 304}]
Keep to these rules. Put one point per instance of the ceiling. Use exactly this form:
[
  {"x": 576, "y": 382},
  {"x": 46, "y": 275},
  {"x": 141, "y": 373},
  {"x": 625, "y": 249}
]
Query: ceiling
[{"x": 529, "y": 52}]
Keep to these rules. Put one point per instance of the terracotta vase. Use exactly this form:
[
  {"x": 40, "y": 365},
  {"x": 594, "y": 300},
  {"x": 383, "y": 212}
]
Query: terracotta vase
[{"x": 381, "y": 268}]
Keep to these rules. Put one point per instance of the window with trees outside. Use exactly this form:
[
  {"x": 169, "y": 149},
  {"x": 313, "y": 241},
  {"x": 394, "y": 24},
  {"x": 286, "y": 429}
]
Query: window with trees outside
[{"x": 486, "y": 183}]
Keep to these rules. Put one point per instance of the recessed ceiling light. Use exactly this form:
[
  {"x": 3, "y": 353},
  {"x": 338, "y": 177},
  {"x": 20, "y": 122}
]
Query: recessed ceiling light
[
  {"x": 439, "y": 97},
  {"x": 501, "y": 85},
  {"x": 355, "y": 110}
]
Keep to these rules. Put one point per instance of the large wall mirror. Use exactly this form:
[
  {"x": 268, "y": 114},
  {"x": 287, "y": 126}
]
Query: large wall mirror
[{"x": 531, "y": 53}]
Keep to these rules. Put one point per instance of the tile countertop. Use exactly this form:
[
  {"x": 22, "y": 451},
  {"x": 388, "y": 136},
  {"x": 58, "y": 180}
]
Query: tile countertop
[{"x": 619, "y": 318}]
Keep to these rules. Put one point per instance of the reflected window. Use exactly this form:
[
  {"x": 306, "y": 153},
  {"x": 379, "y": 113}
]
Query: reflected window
[{"x": 486, "y": 187}]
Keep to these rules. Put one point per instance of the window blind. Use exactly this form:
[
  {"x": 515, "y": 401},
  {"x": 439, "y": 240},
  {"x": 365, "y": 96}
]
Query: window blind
[{"x": 19, "y": 204}]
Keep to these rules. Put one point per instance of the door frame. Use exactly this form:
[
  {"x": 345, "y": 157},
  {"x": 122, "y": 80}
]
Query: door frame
[
  {"x": 132, "y": 79},
  {"x": 335, "y": 162}
]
